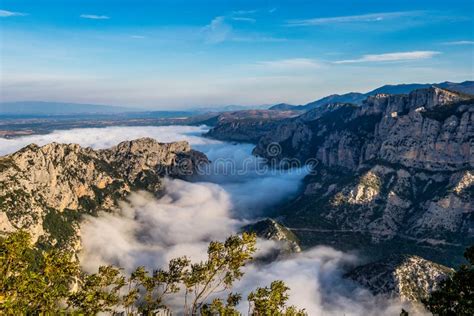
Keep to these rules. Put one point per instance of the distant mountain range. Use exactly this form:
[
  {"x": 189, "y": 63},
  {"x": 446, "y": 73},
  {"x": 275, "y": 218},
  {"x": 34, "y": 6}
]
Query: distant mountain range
[
  {"x": 42, "y": 108},
  {"x": 357, "y": 98},
  {"x": 230, "y": 108},
  {"x": 67, "y": 108},
  {"x": 58, "y": 108}
]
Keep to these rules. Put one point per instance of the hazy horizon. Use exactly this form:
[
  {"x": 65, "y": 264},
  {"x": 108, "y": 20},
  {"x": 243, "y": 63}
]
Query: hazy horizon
[
  {"x": 138, "y": 107},
  {"x": 177, "y": 55}
]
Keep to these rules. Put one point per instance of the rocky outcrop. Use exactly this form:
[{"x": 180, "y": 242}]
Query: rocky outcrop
[
  {"x": 429, "y": 129},
  {"x": 46, "y": 189},
  {"x": 272, "y": 230},
  {"x": 247, "y": 126},
  {"x": 410, "y": 278}
]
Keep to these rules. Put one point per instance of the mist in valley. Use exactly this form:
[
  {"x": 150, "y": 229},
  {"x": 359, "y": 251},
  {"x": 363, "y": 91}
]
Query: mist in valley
[{"x": 149, "y": 231}]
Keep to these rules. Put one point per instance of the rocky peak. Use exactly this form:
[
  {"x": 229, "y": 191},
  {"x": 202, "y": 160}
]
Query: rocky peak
[
  {"x": 272, "y": 230},
  {"x": 432, "y": 97},
  {"x": 409, "y": 277},
  {"x": 427, "y": 98},
  {"x": 132, "y": 158}
]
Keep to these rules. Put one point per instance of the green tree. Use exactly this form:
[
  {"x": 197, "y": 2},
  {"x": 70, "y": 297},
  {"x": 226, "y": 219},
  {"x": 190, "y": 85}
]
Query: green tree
[
  {"x": 50, "y": 282},
  {"x": 271, "y": 301},
  {"x": 221, "y": 308},
  {"x": 218, "y": 273},
  {"x": 455, "y": 295},
  {"x": 32, "y": 281},
  {"x": 148, "y": 291},
  {"x": 98, "y": 292}
]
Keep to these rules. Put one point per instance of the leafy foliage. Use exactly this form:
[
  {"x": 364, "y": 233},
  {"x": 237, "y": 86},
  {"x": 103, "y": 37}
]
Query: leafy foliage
[
  {"x": 218, "y": 273},
  {"x": 34, "y": 281},
  {"x": 456, "y": 294},
  {"x": 98, "y": 292},
  {"x": 271, "y": 301},
  {"x": 219, "y": 307}
]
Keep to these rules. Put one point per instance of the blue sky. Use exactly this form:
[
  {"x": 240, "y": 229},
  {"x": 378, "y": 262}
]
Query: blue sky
[{"x": 178, "y": 54}]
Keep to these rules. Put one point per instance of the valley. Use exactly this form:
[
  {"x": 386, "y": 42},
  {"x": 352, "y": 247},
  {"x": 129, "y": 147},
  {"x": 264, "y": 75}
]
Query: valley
[{"x": 384, "y": 191}]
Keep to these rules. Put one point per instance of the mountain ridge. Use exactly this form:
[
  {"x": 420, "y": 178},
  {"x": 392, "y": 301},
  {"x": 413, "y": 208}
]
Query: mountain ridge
[
  {"x": 358, "y": 98},
  {"x": 47, "y": 189},
  {"x": 52, "y": 108}
]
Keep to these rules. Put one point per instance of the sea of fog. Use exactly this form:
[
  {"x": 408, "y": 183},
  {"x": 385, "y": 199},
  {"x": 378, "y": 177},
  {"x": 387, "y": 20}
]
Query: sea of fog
[{"x": 150, "y": 231}]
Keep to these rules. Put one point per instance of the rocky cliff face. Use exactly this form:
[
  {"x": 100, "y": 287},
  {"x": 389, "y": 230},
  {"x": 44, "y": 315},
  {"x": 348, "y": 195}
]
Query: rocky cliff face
[
  {"x": 46, "y": 189},
  {"x": 429, "y": 129},
  {"x": 396, "y": 170},
  {"x": 247, "y": 126},
  {"x": 410, "y": 278}
]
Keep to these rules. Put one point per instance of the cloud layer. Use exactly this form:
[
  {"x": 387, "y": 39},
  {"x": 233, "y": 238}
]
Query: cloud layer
[
  {"x": 94, "y": 17},
  {"x": 398, "y": 56},
  {"x": 372, "y": 17},
  {"x": 465, "y": 42},
  {"x": 291, "y": 64},
  {"x": 6, "y": 13}
]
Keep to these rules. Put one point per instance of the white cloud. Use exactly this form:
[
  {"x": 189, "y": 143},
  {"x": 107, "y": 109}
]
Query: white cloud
[
  {"x": 94, "y": 17},
  {"x": 372, "y": 17},
  {"x": 398, "y": 56},
  {"x": 459, "y": 43},
  {"x": 292, "y": 64},
  {"x": 243, "y": 19},
  {"x": 243, "y": 12},
  {"x": 138, "y": 36},
  {"x": 149, "y": 231},
  {"x": 217, "y": 31},
  {"x": 221, "y": 30},
  {"x": 6, "y": 14}
]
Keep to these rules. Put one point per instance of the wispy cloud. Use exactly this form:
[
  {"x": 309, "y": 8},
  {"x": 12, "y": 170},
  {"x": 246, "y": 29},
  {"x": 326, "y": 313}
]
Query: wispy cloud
[
  {"x": 94, "y": 17},
  {"x": 138, "y": 36},
  {"x": 459, "y": 43},
  {"x": 372, "y": 17},
  {"x": 258, "y": 38},
  {"x": 243, "y": 19},
  {"x": 6, "y": 13},
  {"x": 291, "y": 64},
  {"x": 221, "y": 30},
  {"x": 217, "y": 31},
  {"x": 243, "y": 12},
  {"x": 399, "y": 56}
]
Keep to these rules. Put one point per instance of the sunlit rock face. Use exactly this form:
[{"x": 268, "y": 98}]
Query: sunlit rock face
[
  {"x": 272, "y": 230},
  {"x": 46, "y": 189},
  {"x": 410, "y": 278},
  {"x": 428, "y": 129}
]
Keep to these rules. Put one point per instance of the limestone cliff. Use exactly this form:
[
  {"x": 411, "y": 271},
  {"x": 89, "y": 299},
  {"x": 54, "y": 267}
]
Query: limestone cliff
[
  {"x": 46, "y": 189},
  {"x": 247, "y": 126},
  {"x": 411, "y": 278}
]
